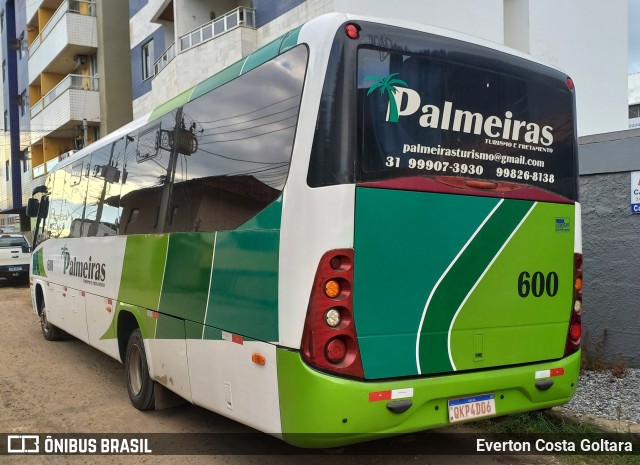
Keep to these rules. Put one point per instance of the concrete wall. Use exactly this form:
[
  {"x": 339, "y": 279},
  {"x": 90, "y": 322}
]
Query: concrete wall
[
  {"x": 114, "y": 66},
  {"x": 610, "y": 234}
]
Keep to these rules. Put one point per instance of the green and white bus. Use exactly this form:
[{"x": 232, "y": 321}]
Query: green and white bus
[{"x": 363, "y": 228}]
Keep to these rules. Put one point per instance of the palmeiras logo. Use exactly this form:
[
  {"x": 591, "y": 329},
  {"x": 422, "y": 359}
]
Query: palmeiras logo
[
  {"x": 66, "y": 258},
  {"x": 387, "y": 85},
  {"x": 88, "y": 270},
  {"x": 445, "y": 115}
]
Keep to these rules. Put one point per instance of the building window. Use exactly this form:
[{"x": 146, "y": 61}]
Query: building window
[
  {"x": 2, "y": 21},
  {"x": 6, "y": 120},
  {"x": 147, "y": 60},
  {"x": 21, "y": 45},
  {"x": 25, "y": 160},
  {"x": 4, "y": 69},
  {"x": 634, "y": 111},
  {"x": 23, "y": 103},
  {"x": 8, "y": 167}
]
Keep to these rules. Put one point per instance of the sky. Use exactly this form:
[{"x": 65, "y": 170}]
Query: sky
[{"x": 634, "y": 36}]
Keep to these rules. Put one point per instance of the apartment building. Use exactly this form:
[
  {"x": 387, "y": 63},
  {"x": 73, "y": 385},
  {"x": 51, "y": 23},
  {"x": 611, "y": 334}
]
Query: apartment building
[{"x": 68, "y": 82}]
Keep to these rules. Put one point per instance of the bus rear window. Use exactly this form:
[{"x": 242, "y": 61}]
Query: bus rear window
[{"x": 436, "y": 118}]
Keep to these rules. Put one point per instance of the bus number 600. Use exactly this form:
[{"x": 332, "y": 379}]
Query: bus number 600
[{"x": 537, "y": 284}]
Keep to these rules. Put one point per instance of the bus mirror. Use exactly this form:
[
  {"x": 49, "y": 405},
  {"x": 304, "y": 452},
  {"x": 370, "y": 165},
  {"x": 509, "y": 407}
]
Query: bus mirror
[
  {"x": 39, "y": 190},
  {"x": 33, "y": 205}
]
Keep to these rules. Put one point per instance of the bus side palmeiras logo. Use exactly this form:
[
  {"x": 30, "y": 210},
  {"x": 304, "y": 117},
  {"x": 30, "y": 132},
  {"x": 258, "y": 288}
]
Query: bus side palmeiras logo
[{"x": 66, "y": 258}]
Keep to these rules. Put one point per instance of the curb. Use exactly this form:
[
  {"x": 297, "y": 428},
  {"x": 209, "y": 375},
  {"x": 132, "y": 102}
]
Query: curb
[{"x": 608, "y": 426}]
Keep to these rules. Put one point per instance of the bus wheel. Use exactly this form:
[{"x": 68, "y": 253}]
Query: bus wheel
[
  {"x": 139, "y": 383},
  {"x": 50, "y": 332}
]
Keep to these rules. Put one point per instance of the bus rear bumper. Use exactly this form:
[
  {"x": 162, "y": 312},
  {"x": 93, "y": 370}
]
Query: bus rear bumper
[{"x": 320, "y": 410}]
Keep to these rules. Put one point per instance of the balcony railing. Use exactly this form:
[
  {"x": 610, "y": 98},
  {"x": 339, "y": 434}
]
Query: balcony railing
[
  {"x": 51, "y": 164},
  {"x": 72, "y": 81},
  {"x": 165, "y": 59},
  {"x": 239, "y": 17},
  {"x": 79, "y": 7},
  {"x": 38, "y": 171}
]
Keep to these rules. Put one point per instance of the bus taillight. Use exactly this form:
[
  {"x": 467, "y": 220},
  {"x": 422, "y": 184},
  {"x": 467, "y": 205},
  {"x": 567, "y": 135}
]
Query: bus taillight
[
  {"x": 575, "y": 322},
  {"x": 329, "y": 340}
]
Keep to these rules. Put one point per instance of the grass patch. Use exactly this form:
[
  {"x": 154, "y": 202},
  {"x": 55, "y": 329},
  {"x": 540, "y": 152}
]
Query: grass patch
[{"x": 541, "y": 423}]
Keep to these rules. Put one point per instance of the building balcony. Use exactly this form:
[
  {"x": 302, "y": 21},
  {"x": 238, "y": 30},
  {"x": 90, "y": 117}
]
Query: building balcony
[
  {"x": 65, "y": 39},
  {"x": 239, "y": 17},
  {"x": 63, "y": 108}
]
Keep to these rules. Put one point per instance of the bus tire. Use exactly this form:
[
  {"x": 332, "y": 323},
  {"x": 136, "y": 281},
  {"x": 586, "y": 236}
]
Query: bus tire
[
  {"x": 139, "y": 383},
  {"x": 50, "y": 332}
]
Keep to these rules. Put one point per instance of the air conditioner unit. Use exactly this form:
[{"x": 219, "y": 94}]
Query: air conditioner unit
[{"x": 80, "y": 59}]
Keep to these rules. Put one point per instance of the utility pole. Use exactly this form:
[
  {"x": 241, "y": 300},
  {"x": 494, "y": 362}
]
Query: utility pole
[
  {"x": 171, "y": 174},
  {"x": 85, "y": 133}
]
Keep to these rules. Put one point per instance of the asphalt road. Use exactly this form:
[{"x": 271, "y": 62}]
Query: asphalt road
[{"x": 69, "y": 387}]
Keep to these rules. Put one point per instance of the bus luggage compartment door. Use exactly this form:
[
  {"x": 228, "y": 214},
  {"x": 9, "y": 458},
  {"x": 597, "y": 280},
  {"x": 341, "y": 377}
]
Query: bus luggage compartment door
[{"x": 454, "y": 282}]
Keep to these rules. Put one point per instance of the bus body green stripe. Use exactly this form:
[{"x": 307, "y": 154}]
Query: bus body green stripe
[
  {"x": 433, "y": 340},
  {"x": 187, "y": 275},
  {"x": 244, "y": 284},
  {"x": 143, "y": 269},
  {"x": 171, "y": 105},
  {"x": 504, "y": 328},
  {"x": 403, "y": 243}
]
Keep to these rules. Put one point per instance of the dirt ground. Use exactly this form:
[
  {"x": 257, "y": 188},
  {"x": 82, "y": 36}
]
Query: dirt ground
[{"x": 69, "y": 387}]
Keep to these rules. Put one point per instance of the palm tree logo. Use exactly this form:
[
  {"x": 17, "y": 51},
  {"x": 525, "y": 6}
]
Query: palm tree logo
[
  {"x": 387, "y": 85},
  {"x": 66, "y": 258}
]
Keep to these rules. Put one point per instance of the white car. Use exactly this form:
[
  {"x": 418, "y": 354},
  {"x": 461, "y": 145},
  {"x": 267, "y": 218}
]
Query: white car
[{"x": 15, "y": 257}]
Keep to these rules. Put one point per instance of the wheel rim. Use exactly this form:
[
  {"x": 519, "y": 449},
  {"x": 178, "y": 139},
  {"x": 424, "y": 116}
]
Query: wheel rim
[
  {"x": 44, "y": 322},
  {"x": 135, "y": 370}
]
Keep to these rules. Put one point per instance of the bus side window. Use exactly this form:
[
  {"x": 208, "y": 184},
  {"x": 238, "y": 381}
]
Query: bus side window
[
  {"x": 239, "y": 145},
  {"x": 103, "y": 194},
  {"x": 46, "y": 203},
  {"x": 65, "y": 204},
  {"x": 144, "y": 177}
]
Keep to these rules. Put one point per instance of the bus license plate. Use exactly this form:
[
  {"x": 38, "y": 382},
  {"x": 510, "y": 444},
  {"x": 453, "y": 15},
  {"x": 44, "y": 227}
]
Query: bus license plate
[
  {"x": 15, "y": 268},
  {"x": 483, "y": 405}
]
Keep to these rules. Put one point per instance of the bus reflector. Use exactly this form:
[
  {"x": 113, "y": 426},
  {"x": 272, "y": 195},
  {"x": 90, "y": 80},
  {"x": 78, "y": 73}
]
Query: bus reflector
[
  {"x": 332, "y": 348},
  {"x": 549, "y": 373},
  {"x": 258, "y": 359}
]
